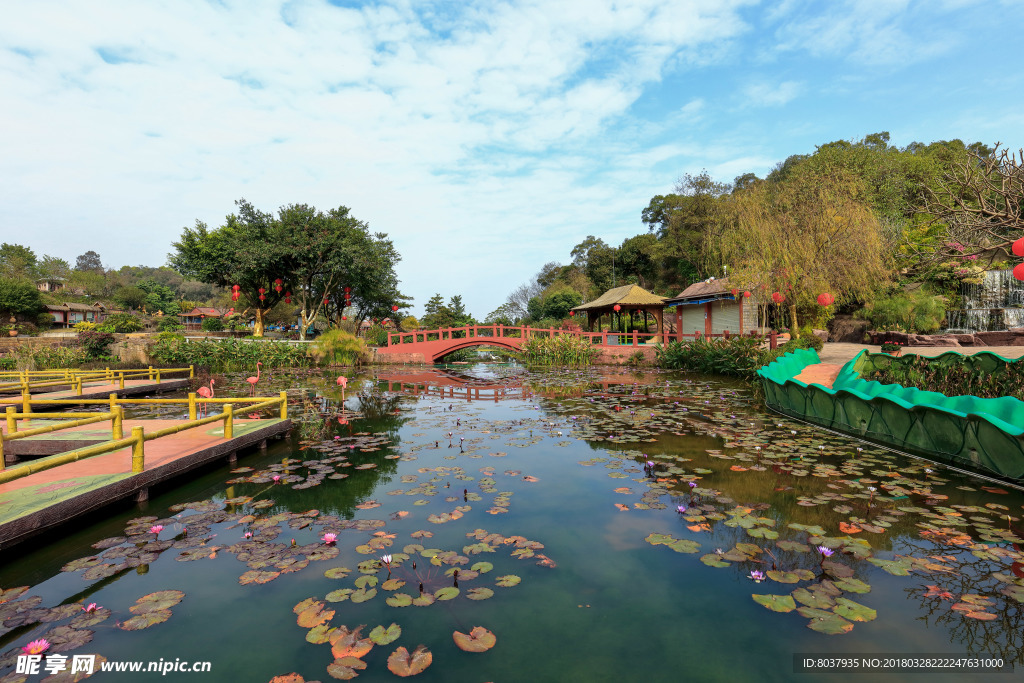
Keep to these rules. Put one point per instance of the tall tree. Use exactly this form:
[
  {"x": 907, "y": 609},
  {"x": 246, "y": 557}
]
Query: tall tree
[
  {"x": 17, "y": 261},
  {"x": 89, "y": 261},
  {"x": 810, "y": 234}
]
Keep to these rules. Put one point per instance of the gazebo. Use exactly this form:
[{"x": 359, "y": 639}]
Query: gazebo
[{"x": 628, "y": 298}]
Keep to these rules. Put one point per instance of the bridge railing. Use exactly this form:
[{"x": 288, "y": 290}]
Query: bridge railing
[{"x": 609, "y": 338}]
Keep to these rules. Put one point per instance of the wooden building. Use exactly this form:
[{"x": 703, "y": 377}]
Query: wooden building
[{"x": 714, "y": 307}]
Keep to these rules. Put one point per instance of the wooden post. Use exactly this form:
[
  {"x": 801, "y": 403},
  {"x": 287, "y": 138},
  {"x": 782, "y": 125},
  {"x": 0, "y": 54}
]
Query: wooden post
[
  {"x": 107, "y": 376},
  {"x": 191, "y": 372},
  {"x": 117, "y": 424},
  {"x": 26, "y": 402},
  {"x": 284, "y": 405},
  {"x": 121, "y": 380},
  {"x": 158, "y": 376},
  {"x": 634, "y": 336},
  {"x": 229, "y": 421},
  {"x": 150, "y": 373},
  {"x": 191, "y": 406},
  {"x": 3, "y": 458},
  {"x": 773, "y": 340},
  {"x": 138, "y": 450}
]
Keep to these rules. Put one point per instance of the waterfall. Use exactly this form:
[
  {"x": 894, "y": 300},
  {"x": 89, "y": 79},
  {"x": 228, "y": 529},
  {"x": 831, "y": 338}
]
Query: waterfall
[{"x": 995, "y": 304}]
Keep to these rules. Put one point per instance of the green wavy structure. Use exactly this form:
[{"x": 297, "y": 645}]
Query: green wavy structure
[{"x": 982, "y": 434}]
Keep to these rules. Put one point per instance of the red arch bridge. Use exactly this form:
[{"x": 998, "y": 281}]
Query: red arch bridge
[{"x": 435, "y": 344}]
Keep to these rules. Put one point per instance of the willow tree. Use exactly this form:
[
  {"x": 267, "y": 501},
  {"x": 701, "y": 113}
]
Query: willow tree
[{"x": 810, "y": 234}]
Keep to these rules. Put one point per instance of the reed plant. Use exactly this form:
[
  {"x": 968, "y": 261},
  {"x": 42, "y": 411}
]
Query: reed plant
[{"x": 560, "y": 349}]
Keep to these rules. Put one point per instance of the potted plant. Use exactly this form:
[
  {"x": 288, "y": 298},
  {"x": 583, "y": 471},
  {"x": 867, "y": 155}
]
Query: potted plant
[
  {"x": 13, "y": 329},
  {"x": 892, "y": 348}
]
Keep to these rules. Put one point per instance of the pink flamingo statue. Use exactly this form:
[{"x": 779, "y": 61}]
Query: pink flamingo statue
[
  {"x": 252, "y": 380},
  {"x": 205, "y": 392},
  {"x": 342, "y": 382}
]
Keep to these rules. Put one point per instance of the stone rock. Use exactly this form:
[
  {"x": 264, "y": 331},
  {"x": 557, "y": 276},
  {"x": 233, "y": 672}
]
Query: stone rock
[
  {"x": 934, "y": 340},
  {"x": 821, "y": 334},
  {"x": 966, "y": 339},
  {"x": 882, "y": 337},
  {"x": 846, "y": 328},
  {"x": 999, "y": 338}
]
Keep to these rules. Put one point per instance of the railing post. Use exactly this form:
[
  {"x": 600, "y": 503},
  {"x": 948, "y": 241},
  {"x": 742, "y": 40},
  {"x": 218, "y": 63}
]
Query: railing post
[
  {"x": 158, "y": 376},
  {"x": 138, "y": 450},
  {"x": 191, "y": 406},
  {"x": 78, "y": 387},
  {"x": 107, "y": 374},
  {"x": 191, "y": 373},
  {"x": 3, "y": 458},
  {"x": 117, "y": 424},
  {"x": 12, "y": 422},
  {"x": 150, "y": 373},
  {"x": 229, "y": 421},
  {"x": 122, "y": 380},
  {"x": 634, "y": 337},
  {"x": 26, "y": 401},
  {"x": 284, "y": 405},
  {"x": 773, "y": 340}
]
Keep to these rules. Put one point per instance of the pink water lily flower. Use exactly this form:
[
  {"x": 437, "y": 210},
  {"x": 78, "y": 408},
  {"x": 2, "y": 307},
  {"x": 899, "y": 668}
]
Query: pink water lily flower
[
  {"x": 757, "y": 576},
  {"x": 276, "y": 478},
  {"x": 91, "y": 607},
  {"x": 386, "y": 559},
  {"x": 330, "y": 538},
  {"x": 36, "y": 647},
  {"x": 156, "y": 528}
]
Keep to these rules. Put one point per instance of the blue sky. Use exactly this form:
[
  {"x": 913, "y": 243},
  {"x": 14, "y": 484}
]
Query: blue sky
[{"x": 485, "y": 138}]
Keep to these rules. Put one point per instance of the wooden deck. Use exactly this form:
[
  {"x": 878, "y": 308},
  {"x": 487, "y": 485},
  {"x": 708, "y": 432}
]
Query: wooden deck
[
  {"x": 43, "y": 500},
  {"x": 820, "y": 373},
  {"x": 91, "y": 390}
]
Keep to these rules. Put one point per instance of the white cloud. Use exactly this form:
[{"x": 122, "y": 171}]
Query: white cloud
[{"x": 771, "y": 95}]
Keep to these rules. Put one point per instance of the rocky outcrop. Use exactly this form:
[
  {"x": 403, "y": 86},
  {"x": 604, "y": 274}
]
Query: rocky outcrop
[
  {"x": 846, "y": 328},
  {"x": 1014, "y": 337}
]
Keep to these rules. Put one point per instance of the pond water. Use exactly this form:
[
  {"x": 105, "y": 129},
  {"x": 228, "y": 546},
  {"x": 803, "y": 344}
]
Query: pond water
[{"x": 535, "y": 501}]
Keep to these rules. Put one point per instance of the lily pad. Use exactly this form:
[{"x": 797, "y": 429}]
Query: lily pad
[
  {"x": 424, "y": 600},
  {"x": 157, "y": 601},
  {"x": 339, "y": 595},
  {"x": 477, "y": 640},
  {"x": 402, "y": 663},
  {"x": 507, "y": 581},
  {"x": 713, "y": 560},
  {"x": 318, "y": 635},
  {"x": 479, "y": 593},
  {"x": 831, "y": 625},
  {"x": 314, "y": 615},
  {"x": 392, "y": 584},
  {"x": 854, "y": 611},
  {"x": 851, "y": 585},
  {"x": 366, "y": 581},
  {"x": 137, "y": 623},
  {"x": 337, "y": 572},
  {"x": 776, "y": 603},
  {"x": 782, "y": 577},
  {"x": 482, "y": 567},
  {"x": 817, "y": 599},
  {"x": 362, "y": 595},
  {"x": 344, "y": 668},
  {"x": 894, "y": 567},
  {"x": 385, "y": 636},
  {"x": 399, "y": 600},
  {"x": 446, "y": 593},
  {"x": 684, "y": 546}
]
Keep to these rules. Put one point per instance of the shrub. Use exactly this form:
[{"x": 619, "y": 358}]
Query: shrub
[
  {"x": 222, "y": 355},
  {"x": 121, "y": 322},
  {"x": 169, "y": 324},
  {"x": 915, "y": 312},
  {"x": 410, "y": 322},
  {"x": 84, "y": 326},
  {"x": 559, "y": 350},
  {"x": 376, "y": 336},
  {"x": 44, "y": 321},
  {"x": 96, "y": 344},
  {"x": 736, "y": 356},
  {"x": 212, "y": 324},
  {"x": 338, "y": 347},
  {"x": 49, "y": 358},
  {"x": 7, "y": 363}
]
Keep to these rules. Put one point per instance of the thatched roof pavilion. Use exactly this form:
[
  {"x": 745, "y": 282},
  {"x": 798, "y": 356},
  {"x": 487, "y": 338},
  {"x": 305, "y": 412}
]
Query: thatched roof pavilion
[{"x": 628, "y": 298}]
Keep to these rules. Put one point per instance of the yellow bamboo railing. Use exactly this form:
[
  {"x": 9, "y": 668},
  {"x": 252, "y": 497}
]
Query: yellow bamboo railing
[{"x": 139, "y": 437}]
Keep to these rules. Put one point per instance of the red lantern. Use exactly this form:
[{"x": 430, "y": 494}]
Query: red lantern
[
  {"x": 1018, "y": 247},
  {"x": 394, "y": 308},
  {"x": 572, "y": 313},
  {"x": 746, "y": 295},
  {"x": 1018, "y": 271},
  {"x": 348, "y": 289},
  {"x": 277, "y": 288},
  {"x": 616, "y": 308},
  {"x": 262, "y": 290},
  {"x": 262, "y": 298},
  {"x": 325, "y": 301},
  {"x": 735, "y": 292},
  {"x": 287, "y": 299},
  {"x": 778, "y": 297},
  {"x": 344, "y": 317},
  {"x": 231, "y": 310},
  {"x": 236, "y": 288},
  {"x": 278, "y": 281},
  {"x": 825, "y": 299}
]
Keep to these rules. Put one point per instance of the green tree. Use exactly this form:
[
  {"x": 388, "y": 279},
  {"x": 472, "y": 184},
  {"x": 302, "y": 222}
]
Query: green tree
[
  {"x": 53, "y": 268},
  {"x": 19, "y": 297},
  {"x": 559, "y": 303},
  {"x": 89, "y": 261},
  {"x": 17, "y": 261},
  {"x": 130, "y": 297},
  {"x": 809, "y": 234}
]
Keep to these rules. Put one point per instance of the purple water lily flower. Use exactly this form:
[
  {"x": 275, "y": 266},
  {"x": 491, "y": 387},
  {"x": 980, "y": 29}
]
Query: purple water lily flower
[
  {"x": 757, "y": 576},
  {"x": 825, "y": 552},
  {"x": 680, "y": 509}
]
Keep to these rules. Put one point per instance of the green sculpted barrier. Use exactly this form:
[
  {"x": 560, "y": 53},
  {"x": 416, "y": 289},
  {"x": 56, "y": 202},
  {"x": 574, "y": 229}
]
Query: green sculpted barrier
[{"x": 984, "y": 434}]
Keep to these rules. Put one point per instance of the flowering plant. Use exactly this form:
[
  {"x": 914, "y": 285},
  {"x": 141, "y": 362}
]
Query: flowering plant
[{"x": 891, "y": 346}]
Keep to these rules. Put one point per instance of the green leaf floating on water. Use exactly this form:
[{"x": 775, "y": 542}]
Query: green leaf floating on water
[
  {"x": 479, "y": 593},
  {"x": 854, "y": 611},
  {"x": 383, "y": 636},
  {"x": 399, "y": 600},
  {"x": 366, "y": 581},
  {"x": 832, "y": 625},
  {"x": 851, "y": 585},
  {"x": 684, "y": 546},
  {"x": 339, "y": 595},
  {"x": 894, "y": 567},
  {"x": 713, "y": 560},
  {"x": 446, "y": 593},
  {"x": 782, "y": 577},
  {"x": 141, "y": 621},
  {"x": 776, "y": 603},
  {"x": 659, "y": 539},
  {"x": 392, "y": 584},
  {"x": 337, "y": 572},
  {"x": 508, "y": 581},
  {"x": 482, "y": 567},
  {"x": 362, "y": 595},
  {"x": 817, "y": 599},
  {"x": 318, "y": 635},
  {"x": 793, "y": 546},
  {"x": 762, "y": 532},
  {"x": 424, "y": 600},
  {"x": 748, "y": 549}
]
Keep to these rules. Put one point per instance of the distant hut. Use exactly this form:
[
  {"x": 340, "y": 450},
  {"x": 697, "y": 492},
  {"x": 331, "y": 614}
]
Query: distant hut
[
  {"x": 714, "y": 307},
  {"x": 193, "y": 320},
  {"x": 628, "y": 298}
]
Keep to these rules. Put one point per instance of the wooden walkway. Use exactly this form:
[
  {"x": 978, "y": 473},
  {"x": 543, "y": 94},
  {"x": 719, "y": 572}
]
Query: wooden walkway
[
  {"x": 132, "y": 387},
  {"x": 43, "y": 500},
  {"x": 820, "y": 373}
]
